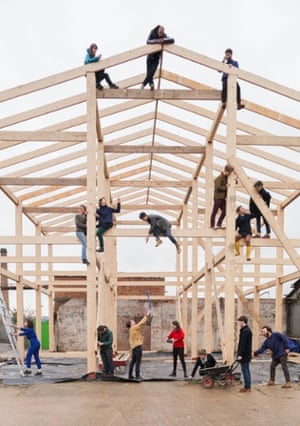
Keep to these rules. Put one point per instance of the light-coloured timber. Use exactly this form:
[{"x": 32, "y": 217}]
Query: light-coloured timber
[{"x": 158, "y": 151}]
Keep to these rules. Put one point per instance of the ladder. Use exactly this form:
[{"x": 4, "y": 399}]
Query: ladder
[{"x": 10, "y": 334}]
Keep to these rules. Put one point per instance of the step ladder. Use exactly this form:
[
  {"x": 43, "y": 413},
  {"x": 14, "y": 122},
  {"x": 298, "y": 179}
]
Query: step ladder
[{"x": 10, "y": 334}]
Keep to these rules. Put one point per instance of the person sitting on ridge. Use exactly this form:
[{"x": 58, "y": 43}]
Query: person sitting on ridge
[{"x": 100, "y": 75}]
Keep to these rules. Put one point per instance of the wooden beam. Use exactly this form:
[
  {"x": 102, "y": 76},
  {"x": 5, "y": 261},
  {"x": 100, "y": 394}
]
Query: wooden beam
[
  {"x": 53, "y": 209},
  {"x": 148, "y": 184},
  {"x": 154, "y": 149},
  {"x": 162, "y": 94},
  {"x": 39, "y": 181},
  {"x": 268, "y": 140},
  {"x": 39, "y": 136}
]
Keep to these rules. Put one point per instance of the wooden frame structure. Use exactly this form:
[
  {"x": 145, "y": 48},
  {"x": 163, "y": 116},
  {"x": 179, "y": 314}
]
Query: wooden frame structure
[{"x": 156, "y": 150}]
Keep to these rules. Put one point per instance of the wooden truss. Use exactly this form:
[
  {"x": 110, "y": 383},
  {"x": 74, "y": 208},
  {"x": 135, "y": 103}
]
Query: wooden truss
[{"x": 156, "y": 150}]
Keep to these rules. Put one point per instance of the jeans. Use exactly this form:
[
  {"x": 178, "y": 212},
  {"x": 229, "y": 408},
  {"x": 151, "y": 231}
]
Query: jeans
[
  {"x": 283, "y": 361},
  {"x": 152, "y": 64},
  {"x": 178, "y": 352},
  {"x": 107, "y": 360},
  {"x": 102, "y": 75},
  {"x": 258, "y": 224},
  {"x": 33, "y": 351},
  {"x": 246, "y": 374},
  {"x": 101, "y": 230},
  {"x": 218, "y": 204},
  {"x": 136, "y": 359},
  {"x": 82, "y": 238},
  {"x": 168, "y": 234},
  {"x": 224, "y": 92}
]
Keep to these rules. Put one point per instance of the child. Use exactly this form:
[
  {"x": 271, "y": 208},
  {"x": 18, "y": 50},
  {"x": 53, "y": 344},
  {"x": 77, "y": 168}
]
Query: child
[
  {"x": 204, "y": 360},
  {"x": 34, "y": 347},
  {"x": 243, "y": 226}
]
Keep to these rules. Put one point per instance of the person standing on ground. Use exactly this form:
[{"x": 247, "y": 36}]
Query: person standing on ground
[
  {"x": 90, "y": 58},
  {"x": 136, "y": 340},
  {"x": 159, "y": 226},
  {"x": 204, "y": 360},
  {"x": 231, "y": 63},
  {"x": 176, "y": 336},
  {"x": 220, "y": 194},
  {"x": 279, "y": 345},
  {"x": 156, "y": 36},
  {"x": 80, "y": 222},
  {"x": 244, "y": 231},
  {"x": 266, "y": 196},
  {"x": 105, "y": 341},
  {"x": 244, "y": 352},
  {"x": 34, "y": 348},
  {"x": 104, "y": 215}
]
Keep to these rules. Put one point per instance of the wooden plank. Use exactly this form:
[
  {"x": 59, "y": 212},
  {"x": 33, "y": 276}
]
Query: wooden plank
[
  {"x": 41, "y": 135},
  {"x": 53, "y": 209},
  {"x": 204, "y": 95},
  {"x": 39, "y": 181},
  {"x": 148, "y": 184},
  {"x": 268, "y": 140},
  {"x": 157, "y": 149}
]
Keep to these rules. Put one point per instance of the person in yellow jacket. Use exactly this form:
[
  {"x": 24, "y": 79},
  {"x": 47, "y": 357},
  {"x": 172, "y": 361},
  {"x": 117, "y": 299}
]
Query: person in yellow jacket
[{"x": 136, "y": 340}]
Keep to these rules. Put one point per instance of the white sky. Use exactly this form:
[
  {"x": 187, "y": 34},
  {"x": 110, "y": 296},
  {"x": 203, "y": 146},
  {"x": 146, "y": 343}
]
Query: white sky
[{"x": 40, "y": 38}]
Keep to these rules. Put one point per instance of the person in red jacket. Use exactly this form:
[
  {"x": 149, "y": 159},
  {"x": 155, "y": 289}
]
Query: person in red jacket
[{"x": 176, "y": 337}]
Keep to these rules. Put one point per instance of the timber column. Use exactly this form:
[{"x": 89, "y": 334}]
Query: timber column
[
  {"x": 91, "y": 221},
  {"x": 229, "y": 320}
]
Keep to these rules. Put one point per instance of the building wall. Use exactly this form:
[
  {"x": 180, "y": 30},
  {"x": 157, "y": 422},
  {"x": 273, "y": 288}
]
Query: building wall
[{"x": 70, "y": 325}]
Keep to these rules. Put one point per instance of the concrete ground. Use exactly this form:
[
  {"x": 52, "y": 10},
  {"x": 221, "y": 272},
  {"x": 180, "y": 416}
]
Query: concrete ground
[{"x": 43, "y": 401}]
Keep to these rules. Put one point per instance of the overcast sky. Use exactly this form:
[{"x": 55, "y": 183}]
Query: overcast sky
[{"x": 40, "y": 38}]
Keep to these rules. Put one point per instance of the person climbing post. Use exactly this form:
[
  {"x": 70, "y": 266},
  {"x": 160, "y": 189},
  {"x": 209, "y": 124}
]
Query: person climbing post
[
  {"x": 104, "y": 215},
  {"x": 156, "y": 36},
  {"x": 80, "y": 222},
  {"x": 159, "y": 226},
  {"x": 231, "y": 63},
  {"x": 91, "y": 58},
  {"x": 220, "y": 194}
]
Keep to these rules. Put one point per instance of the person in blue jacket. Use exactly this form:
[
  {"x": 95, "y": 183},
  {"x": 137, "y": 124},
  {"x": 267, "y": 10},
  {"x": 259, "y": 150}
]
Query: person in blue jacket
[
  {"x": 34, "y": 348},
  {"x": 156, "y": 36},
  {"x": 278, "y": 343},
  {"x": 232, "y": 63},
  {"x": 104, "y": 215},
  {"x": 90, "y": 58}
]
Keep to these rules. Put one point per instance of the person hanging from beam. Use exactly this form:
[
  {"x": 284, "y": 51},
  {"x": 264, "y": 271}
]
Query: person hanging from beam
[
  {"x": 90, "y": 58},
  {"x": 244, "y": 231},
  {"x": 80, "y": 222},
  {"x": 159, "y": 226},
  {"x": 156, "y": 36},
  {"x": 104, "y": 215},
  {"x": 231, "y": 63},
  {"x": 266, "y": 196},
  {"x": 220, "y": 194}
]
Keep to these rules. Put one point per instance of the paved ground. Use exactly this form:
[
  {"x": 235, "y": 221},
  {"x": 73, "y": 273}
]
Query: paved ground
[{"x": 42, "y": 401}]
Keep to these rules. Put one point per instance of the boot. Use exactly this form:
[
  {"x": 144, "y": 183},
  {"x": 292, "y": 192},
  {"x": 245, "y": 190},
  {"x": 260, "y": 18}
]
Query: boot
[
  {"x": 173, "y": 374},
  {"x": 237, "y": 248},
  {"x": 287, "y": 385},
  {"x": 271, "y": 382},
  {"x": 248, "y": 253},
  {"x": 158, "y": 242}
]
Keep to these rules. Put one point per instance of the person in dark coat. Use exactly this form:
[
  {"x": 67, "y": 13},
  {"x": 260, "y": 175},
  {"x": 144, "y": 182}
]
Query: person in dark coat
[
  {"x": 243, "y": 228},
  {"x": 104, "y": 215},
  {"x": 244, "y": 352},
  {"x": 231, "y": 63},
  {"x": 159, "y": 226},
  {"x": 278, "y": 343},
  {"x": 204, "y": 360},
  {"x": 156, "y": 36},
  {"x": 266, "y": 196},
  {"x": 105, "y": 341}
]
